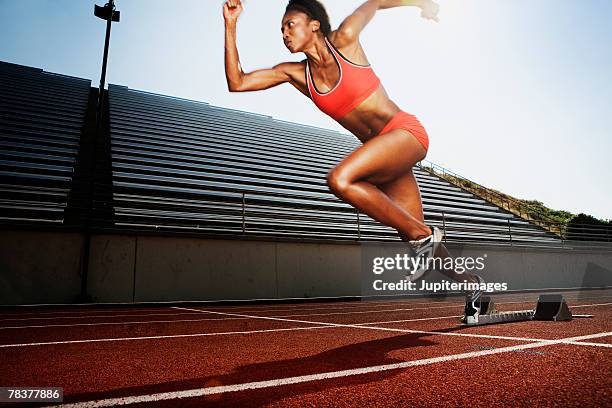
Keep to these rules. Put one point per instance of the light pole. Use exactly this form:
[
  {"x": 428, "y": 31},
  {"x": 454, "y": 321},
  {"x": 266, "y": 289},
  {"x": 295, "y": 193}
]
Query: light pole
[{"x": 111, "y": 15}]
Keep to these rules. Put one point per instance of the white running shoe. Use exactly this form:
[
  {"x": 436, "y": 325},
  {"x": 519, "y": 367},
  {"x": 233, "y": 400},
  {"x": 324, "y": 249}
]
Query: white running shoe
[
  {"x": 472, "y": 304},
  {"x": 424, "y": 248}
]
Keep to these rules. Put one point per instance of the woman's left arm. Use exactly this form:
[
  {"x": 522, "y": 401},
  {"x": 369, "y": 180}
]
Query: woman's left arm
[
  {"x": 385, "y": 4},
  {"x": 352, "y": 26}
]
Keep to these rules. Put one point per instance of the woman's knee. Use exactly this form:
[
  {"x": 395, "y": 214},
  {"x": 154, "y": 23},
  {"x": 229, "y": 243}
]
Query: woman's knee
[{"x": 338, "y": 181}]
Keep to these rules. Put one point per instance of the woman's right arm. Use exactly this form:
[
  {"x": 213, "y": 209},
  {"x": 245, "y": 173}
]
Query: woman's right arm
[{"x": 237, "y": 80}]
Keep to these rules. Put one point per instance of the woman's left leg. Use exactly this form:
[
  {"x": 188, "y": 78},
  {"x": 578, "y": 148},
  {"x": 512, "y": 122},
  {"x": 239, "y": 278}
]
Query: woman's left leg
[{"x": 377, "y": 162}]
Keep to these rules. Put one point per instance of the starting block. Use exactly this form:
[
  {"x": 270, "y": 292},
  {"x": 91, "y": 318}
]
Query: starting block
[{"x": 549, "y": 307}]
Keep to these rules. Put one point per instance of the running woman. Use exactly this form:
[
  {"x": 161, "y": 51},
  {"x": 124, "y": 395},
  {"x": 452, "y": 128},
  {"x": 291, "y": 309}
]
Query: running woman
[{"x": 336, "y": 75}]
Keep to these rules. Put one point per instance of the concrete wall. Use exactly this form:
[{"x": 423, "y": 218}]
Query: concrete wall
[
  {"x": 539, "y": 268},
  {"x": 43, "y": 267},
  {"x": 149, "y": 268},
  {"x": 39, "y": 267}
]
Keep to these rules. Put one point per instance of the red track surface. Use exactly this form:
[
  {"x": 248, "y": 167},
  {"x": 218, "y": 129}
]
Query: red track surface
[{"x": 199, "y": 350}]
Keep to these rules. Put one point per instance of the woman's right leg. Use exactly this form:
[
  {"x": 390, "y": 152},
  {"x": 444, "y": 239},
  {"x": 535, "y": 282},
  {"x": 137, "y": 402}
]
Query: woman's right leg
[{"x": 404, "y": 191}]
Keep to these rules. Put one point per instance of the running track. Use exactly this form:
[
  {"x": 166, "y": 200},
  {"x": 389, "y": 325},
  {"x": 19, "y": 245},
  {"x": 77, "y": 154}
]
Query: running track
[{"x": 376, "y": 353}]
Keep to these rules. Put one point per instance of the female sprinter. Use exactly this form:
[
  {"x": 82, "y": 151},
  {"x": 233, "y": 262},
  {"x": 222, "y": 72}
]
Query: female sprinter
[{"x": 377, "y": 177}]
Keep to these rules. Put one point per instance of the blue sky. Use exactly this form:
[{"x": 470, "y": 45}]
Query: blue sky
[{"x": 515, "y": 94}]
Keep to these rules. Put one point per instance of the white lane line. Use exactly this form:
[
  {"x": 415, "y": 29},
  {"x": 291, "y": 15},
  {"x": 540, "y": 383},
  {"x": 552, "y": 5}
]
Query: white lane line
[
  {"x": 495, "y": 337},
  {"x": 402, "y": 309},
  {"x": 299, "y": 302},
  {"x": 448, "y": 317},
  {"x": 45, "y": 326},
  {"x": 250, "y": 308},
  {"x": 591, "y": 344},
  {"x": 192, "y": 320},
  {"x": 199, "y": 392},
  {"x": 96, "y": 317},
  {"x": 256, "y": 311},
  {"x": 202, "y": 320},
  {"x": 369, "y": 326},
  {"x": 321, "y": 325},
  {"x": 236, "y": 318},
  {"x": 302, "y": 307},
  {"x": 174, "y": 336},
  {"x": 175, "y": 314},
  {"x": 92, "y": 309},
  {"x": 284, "y": 307},
  {"x": 288, "y": 306},
  {"x": 448, "y": 305},
  {"x": 593, "y": 304},
  {"x": 200, "y": 334}
]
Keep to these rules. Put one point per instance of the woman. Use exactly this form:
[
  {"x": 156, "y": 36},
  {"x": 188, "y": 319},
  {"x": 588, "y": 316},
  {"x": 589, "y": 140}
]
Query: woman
[{"x": 377, "y": 177}]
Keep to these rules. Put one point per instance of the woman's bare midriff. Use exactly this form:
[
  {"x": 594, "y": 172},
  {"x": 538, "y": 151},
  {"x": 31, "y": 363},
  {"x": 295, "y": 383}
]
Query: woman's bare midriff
[{"x": 370, "y": 116}]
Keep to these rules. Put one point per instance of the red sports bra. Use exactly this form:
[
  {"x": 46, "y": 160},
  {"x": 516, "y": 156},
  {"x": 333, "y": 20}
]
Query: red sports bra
[{"x": 356, "y": 83}]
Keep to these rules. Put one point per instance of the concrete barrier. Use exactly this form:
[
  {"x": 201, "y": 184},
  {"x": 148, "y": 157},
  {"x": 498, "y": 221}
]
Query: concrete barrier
[{"x": 43, "y": 267}]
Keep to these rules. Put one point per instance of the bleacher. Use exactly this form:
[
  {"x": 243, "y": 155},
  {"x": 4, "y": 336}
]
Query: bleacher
[
  {"x": 41, "y": 118},
  {"x": 184, "y": 164},
  {"x": 187, "y": 166}
]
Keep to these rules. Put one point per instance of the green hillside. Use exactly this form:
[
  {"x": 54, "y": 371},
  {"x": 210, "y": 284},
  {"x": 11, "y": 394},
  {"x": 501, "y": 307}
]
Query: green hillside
[{"x": 563, "y": 223}]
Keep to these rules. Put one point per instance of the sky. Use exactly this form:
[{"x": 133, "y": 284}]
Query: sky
[{"x": 515, "y": 94}]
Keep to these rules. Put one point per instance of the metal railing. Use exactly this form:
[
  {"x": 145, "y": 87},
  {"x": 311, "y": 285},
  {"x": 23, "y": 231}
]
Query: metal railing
[
  {"x": 265, "y": 214},
  {"x": 511, "y": 204},
  {"x": 241, "y": 212}
]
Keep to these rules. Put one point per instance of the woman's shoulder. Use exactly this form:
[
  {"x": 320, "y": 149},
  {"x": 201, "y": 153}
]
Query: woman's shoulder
[
  {"x": 341, "y": 41},
  {"x": 349, "y": 48},
  {"x": 293, "y": 64},
  {"x": 294, "y": 67}
]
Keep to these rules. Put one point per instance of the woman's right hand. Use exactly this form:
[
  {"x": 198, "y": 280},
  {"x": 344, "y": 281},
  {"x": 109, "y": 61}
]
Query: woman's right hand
[
  {"x": 231, "y": 10},
  {"x": 429, "y": 10}
]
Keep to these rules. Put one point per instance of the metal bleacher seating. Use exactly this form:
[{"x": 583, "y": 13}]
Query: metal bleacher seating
[
  {"x": 175, "y": 165},
  {"x": 41, "y": 116},
  {"x": 185, "y": 165}
]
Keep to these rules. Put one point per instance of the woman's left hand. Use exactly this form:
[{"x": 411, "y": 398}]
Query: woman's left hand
[{"x": 429, "y": 10}]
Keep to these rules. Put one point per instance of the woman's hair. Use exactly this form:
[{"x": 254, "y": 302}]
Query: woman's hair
[{"x": 313, "y": 9}]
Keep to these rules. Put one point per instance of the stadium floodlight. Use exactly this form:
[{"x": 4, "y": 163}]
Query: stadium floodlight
[
  {"x": 109, "y": 14},
  {"x": 107, "y": 11}
]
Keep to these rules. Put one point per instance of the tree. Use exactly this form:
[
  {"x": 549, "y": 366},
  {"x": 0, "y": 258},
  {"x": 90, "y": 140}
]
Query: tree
[{"x": 584, "y": 227}]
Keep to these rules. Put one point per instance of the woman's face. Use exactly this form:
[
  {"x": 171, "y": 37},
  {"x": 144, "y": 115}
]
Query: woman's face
[{"x": 298, "y": 30}]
